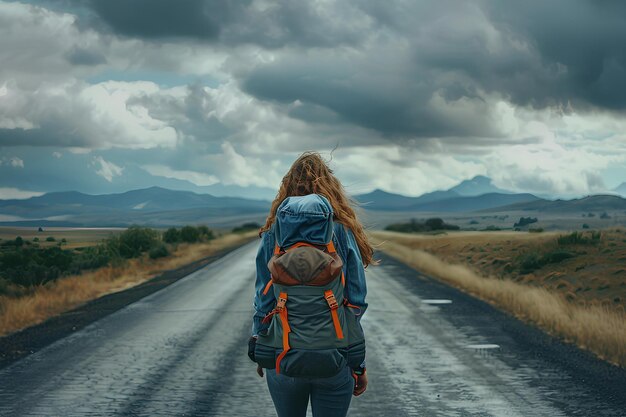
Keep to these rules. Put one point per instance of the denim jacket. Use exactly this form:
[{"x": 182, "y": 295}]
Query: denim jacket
[{"x": 345, "y": 245}]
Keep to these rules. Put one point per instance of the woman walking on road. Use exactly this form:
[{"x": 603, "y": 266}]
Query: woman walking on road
[{"x": 310, "y": 295}]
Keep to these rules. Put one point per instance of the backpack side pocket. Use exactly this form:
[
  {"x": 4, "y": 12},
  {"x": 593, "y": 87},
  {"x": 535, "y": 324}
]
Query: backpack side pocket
[
  {"x": 312, "y": 363},
  {"x": 265, "y": 356}
]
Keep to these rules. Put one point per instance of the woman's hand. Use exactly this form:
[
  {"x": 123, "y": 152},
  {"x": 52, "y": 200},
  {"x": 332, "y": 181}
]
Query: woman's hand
[
  {"x": 360, "y": 383},
  {"x": 259, "y": 371}
]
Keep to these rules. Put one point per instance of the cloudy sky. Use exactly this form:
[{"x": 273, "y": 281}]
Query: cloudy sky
[{"x": 220, "y": 96}]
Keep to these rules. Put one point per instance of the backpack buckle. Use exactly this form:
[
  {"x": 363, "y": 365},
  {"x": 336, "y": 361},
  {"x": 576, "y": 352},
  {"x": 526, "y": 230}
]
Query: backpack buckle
[
  {"x": 331, "y": 300},
  {"x": 282, "y": 300}
]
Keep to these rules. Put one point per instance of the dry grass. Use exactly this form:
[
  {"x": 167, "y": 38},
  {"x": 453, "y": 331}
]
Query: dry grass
[
  {"x": 595, "y": 327},
  {"x": 70, "y": 292}
]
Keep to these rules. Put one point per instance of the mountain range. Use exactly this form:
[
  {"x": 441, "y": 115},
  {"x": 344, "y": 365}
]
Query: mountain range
[
  {"x": 476, "y": 194},
  {"x": 161, "y": 207}
]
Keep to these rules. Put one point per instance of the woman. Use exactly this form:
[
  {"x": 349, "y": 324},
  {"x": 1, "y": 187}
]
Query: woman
[{"x": 329, "y": 396}]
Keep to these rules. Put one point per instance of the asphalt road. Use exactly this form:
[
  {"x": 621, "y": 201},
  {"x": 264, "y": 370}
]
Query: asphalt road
[{"x": 432, "y": 351}]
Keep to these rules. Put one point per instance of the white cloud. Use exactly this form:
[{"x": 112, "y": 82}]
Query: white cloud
[
  {"x": 197, "y": 178},
  {"x": 8, "y": 193},
  {"x": 233, "y": 168},
  {"x": 16, "y": 162},
  {"x": 399, "y": 170},
  {"x": 105, "y": 169}
]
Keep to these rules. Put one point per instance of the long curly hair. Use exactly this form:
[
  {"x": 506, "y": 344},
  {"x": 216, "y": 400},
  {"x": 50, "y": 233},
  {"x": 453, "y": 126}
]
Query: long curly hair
[{"x": 310, "y": 174}]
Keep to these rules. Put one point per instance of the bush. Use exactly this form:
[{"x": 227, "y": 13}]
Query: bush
[
  {"x": 429, "y": 225},
  {"x": 189, "y": 234},
  {"x": 135, "y": 240},
  {"x": 50, "y": 239},
  {"x": 533, "y": 260},
  {"x": 93, "y": 257},
  {"x": 159, "y": 251},
  {"x": 35, "y": 239},
  {"x": 19, "y": 241},
  {"x": 535, "y": 230},
  {"x": 31, "y": 266},
  {"x": 205, "y": 233},
  {"x": 491, "y": 228},
  {"x": 524, "y": 221},
  {"x": 171, "y": 235},
  {"x": 579, "y": 238},
  {"x": 585, "y": 226},
  {"x": 23, "y": 266}
]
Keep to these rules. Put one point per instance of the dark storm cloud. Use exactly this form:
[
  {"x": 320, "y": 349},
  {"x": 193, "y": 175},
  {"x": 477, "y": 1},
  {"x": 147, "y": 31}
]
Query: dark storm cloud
[
  {"x": 163, "y": 18},
  {"x": 402, "y": 69},
  {"x": 272, "y": 25},
  {"x": 79, "y": 56},
  {"x": 40, "y": 137},
  {"x": 565, "y": 53},
  {"x": 537, "y": 53},
  {"x": 581, "y": 43}
]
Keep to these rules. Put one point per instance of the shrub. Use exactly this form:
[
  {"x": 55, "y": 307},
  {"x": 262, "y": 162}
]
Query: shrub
[
  {"x": 135, "y": 240},
  {"x": 491, "y": 228},
  {"x": 533, "y": 260},
  {"x": 585, "y": 226},
  {"x": 535, "y": 230},
  {"x": 579, "y": 238},
  {"x": 524, "y": 221},
  {"x": 171, "y": 235},
  {"x": 50, "y": 239},
  {"x": 35, "y": 239},
  {"x": 431, "y": 224},
  {"x": 19, "y": 241},
  {"x": 189, "y": 234},
  {"x": 159, "y": 251},
  {"x": 205, "y": 233}
]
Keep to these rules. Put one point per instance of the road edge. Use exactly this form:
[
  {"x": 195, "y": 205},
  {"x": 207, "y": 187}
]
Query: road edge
[
  {"x": 25, "y": 342},
  {"x": 604, "y": 378}
]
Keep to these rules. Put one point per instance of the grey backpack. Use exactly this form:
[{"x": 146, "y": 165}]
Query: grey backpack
[{"x": 313, "y": 329}]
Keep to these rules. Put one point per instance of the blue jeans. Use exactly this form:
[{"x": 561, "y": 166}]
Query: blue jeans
[{"x": 330, "y": 397}]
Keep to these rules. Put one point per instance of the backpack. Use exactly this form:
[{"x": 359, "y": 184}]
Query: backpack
[{"x": 313, "y": 329}]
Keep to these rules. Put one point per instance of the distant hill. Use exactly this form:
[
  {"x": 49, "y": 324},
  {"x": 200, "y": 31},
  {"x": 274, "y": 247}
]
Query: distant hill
[
  {"x": 150, "y": 206},
  {"x": 382, "y": 200},
  {"x": 451, "y": 200},
  {"x": 438, "y": 201},
  {"x": 474, "y": 203},
  {"x": 621, "y": 189},
  {"x": 476, "y": 186},
  {"x": 593, "y": 203}
]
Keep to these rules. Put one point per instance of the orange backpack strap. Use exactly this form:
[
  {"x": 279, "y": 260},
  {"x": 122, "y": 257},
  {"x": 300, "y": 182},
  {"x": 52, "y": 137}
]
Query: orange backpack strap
[
  {"x": 267, "y": 286},
  {"x": 332, "y": 304},
  {"x": 330, "y": 247},
  {"x": 347, "y": 304},
  {"x": 282, "y": 313}
]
